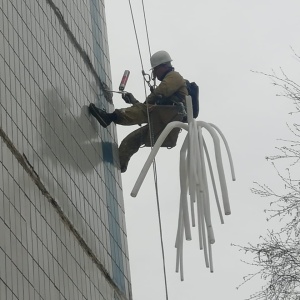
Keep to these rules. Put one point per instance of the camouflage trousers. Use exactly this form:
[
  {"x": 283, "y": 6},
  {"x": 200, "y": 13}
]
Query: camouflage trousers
[{"x": 160, "y": 116}]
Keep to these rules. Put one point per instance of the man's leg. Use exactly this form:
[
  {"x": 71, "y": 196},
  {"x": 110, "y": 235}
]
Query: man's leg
[
  {"x": 131, "y": 145},
  {"x": 135, "y": 114}
]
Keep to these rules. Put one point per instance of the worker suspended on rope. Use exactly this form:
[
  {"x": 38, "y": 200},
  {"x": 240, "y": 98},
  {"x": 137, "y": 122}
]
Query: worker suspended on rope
[{"x": 170, "y": 93}]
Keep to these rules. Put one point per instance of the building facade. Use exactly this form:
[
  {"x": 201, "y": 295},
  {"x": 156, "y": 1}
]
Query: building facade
[{"x": 62, "y": 225}]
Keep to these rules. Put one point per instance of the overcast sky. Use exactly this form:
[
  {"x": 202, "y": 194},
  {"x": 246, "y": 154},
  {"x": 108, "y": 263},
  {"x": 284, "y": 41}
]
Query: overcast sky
[{"x": 217, "y": 44}]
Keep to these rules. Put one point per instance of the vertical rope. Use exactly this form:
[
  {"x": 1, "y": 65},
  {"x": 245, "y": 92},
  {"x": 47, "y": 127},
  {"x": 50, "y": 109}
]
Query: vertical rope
[
  {"x": 151, "y": 142},
  {"x": 148, "y": 40},
  {"x": 136, "y": 37}
]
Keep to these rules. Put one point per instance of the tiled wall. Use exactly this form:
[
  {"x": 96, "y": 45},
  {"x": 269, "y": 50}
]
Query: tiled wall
[{"x": 62, "y": 226}]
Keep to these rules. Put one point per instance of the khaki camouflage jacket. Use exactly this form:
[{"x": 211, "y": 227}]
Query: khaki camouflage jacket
[{"x": 171, "y": 90}]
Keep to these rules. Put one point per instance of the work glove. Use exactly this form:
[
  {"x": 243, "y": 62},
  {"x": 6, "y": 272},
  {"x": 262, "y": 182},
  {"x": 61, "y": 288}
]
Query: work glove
[{"x": 129, "y": 98}]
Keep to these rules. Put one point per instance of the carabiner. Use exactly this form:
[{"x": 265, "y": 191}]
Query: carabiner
[{"x": 148, "y": 79}]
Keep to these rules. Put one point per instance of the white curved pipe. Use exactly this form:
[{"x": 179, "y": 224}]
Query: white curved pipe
[
  {"x": 183, "y": 188},
  {"x": 192, "y": 127},
  {"x": 181, "y": 257},
  {"x": 181, "y": 267},
  {"x": 227, "y": 149},
  {"x": 211, "y": 265},
  {"x": 178, "y": 240},
  {"x": 183, "y": 220},
  {"x": 193, "y": 175},
  {"x": 192, "y": 195},
  {"x": 201, "y": 228},
  {"x": 213, "y": 182},
  {"x": 220, "y": 168},
  {"x": 153, "y": 153},
  {"x": 191, "y": 167},
  {"x": 179, "y": 246},
  {"x": 189, "y": 109},
  {"x": 206, "y": 203},
  {"x": 180, "y": 224}
]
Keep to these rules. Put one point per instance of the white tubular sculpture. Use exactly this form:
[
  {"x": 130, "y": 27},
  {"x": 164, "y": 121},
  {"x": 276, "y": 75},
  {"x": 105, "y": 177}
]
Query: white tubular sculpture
[{"x": 194, "y": 183}]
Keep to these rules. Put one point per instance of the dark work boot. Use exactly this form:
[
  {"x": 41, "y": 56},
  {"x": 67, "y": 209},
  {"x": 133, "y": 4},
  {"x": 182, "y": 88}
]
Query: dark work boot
[
  {"x": 123, "y": 169},
  {"x": 101, "y": 115}
]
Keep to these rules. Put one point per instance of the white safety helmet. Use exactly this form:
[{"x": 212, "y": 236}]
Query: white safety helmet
[{"x": 160, "y": 57}]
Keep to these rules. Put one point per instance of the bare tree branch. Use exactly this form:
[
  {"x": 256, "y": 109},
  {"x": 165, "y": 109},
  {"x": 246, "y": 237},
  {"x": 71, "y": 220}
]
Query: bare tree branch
[{"x": 277, "y": 255}]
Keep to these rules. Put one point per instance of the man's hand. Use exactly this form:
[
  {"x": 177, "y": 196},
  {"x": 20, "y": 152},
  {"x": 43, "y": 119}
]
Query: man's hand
[{"x": 129, "y": 98}]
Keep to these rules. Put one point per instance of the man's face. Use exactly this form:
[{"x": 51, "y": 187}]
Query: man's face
[{"x": 158, "y": 72}]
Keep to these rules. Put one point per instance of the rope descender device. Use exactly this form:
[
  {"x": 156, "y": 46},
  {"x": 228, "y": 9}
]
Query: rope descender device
[{"x": 148, "y": 79}]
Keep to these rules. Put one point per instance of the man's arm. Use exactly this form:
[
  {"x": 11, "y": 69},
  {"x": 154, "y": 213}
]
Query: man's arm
[
  {"x": 129, "y": 98},
  {"x": 169, "y": 86}
]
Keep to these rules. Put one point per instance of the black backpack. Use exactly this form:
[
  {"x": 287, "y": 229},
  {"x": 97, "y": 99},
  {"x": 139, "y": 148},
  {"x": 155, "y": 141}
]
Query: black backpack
[{"x": 193, "y": 91}]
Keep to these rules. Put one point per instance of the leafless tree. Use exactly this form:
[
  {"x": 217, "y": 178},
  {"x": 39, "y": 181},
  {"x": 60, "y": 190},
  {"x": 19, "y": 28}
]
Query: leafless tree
[{"x": 277, "y": 255}]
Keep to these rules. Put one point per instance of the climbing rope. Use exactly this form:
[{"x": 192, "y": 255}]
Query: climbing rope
[
  {"x": 146, "y": 26},
  {"x": 151, "y": 139}
]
